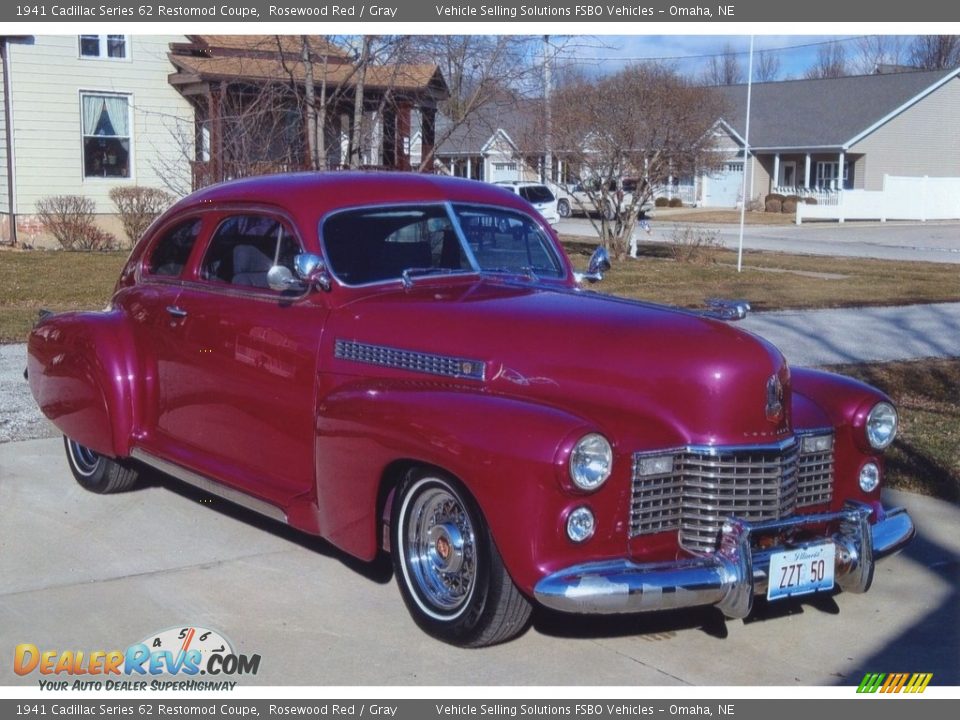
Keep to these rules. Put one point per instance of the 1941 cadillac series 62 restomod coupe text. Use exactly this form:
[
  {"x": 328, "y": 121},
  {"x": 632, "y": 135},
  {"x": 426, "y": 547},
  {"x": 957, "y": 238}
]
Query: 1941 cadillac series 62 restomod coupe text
[{"x": 408, "y": 362}]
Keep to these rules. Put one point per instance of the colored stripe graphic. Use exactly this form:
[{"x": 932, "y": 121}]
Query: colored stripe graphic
[{"x": 894, "y": 682}]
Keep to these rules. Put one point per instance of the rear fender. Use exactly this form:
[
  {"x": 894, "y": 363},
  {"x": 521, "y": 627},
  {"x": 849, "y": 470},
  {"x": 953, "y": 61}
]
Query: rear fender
[{"x": 81, "y": 371}]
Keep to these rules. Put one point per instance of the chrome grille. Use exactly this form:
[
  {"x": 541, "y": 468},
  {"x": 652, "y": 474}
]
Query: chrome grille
[
  {"x": 409, "y": 360},
  {"x": 815, "y": 479},
  {"x": 708, "y": 485}
]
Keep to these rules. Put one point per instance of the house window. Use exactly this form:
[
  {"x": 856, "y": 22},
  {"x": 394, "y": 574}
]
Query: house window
[
  {"x": 106, "y": 135},
  {"x": 115, "y": 47},
  {"x": 504, "y": 166},
  {"x": 828, "y": 175}
]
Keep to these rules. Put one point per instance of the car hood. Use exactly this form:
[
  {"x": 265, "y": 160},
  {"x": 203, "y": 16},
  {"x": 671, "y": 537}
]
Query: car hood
[{"x": 673, "y": 376}]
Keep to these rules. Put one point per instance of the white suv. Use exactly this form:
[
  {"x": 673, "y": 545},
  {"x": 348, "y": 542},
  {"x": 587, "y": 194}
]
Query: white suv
[{"x": 538, "y": 195}]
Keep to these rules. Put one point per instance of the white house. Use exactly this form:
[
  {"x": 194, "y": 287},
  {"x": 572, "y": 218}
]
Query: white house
[{"x": 83, "y": 114}]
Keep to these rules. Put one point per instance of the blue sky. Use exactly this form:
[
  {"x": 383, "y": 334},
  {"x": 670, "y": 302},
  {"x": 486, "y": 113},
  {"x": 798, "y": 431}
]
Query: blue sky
[{"x": 608, "y": 53}]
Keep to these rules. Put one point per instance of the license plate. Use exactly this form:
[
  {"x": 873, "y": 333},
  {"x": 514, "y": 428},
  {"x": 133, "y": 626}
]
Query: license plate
[{"x": 801, "y": 571}]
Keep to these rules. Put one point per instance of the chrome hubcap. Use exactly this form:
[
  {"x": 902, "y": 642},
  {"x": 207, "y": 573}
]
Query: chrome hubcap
[
  {"x": 84, "y": 459},
  {"x": 440, "y": 549}
]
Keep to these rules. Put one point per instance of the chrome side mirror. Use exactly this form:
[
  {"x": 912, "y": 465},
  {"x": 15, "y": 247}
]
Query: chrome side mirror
[
  {"x": 598, "y": 265},
  {"x": 280, "y": 278},
  {"x": 727, "y": 309},
  {"x": 311, "y": 269}
]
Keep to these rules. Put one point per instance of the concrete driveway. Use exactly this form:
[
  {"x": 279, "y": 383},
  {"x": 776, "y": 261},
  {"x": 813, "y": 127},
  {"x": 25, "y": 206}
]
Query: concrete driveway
[
  {"x": 928, "y": 242},
  {"x": 81, "y": 571}
]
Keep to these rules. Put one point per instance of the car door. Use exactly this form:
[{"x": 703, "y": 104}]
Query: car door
[{"x": 242, "y": 408}]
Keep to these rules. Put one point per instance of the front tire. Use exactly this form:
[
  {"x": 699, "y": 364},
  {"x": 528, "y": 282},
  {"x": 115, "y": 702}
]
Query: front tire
[
  {"x": 97, "y": 473},
  {"x": 450, "y": 573}
]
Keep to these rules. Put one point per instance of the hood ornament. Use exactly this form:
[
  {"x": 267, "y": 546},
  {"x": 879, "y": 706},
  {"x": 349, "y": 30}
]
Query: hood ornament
[{"x": 774, "y": 399}]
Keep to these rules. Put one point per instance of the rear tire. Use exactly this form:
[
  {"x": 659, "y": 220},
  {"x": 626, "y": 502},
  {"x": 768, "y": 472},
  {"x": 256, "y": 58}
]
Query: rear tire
[
  {"x": 563, "y": 208},
  {"x": 450, "y": 573},
  {"x": 97, "y": 473}
]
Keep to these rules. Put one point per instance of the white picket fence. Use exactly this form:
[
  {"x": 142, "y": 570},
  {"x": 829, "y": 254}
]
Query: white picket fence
[{"x": 902, "y": 198}]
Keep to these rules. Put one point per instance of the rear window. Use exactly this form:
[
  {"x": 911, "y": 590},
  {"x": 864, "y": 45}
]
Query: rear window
[{"x": 536, "y": 193}]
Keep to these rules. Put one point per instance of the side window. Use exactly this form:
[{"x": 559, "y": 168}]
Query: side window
[
  {"x": 377, "y": 244},
  {"x": 171, "y": 253},
  {"x": 245, "y": 247}
]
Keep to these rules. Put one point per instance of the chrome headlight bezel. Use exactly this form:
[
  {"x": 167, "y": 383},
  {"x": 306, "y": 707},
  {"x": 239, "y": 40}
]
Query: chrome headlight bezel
[
  {"x": 591, "y": 462},
  {"x": 881, "y": 425}
]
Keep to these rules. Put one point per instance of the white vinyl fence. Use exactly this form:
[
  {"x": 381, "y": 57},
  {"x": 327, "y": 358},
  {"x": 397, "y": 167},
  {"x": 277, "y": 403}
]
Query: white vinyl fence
[{"x": 902, "y": 198}]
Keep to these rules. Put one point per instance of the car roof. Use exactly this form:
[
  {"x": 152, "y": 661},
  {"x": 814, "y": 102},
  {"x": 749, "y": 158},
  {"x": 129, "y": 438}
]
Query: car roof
[{"x": 310, "y": 195}]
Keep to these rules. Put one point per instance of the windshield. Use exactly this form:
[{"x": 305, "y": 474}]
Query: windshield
[
  {"x": 507, "y": 241},
  {"x": 371, "y": 245}
]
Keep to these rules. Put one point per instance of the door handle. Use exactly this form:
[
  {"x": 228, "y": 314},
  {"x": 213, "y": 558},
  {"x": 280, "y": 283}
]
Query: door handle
[{"x": 176, "y": 311}]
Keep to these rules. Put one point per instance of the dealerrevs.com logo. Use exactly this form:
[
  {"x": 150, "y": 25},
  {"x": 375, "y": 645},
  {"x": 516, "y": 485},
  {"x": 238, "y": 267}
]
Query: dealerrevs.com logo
[
  {"x": 894, "y": 682},
  {"x": 174, "y": 659}
]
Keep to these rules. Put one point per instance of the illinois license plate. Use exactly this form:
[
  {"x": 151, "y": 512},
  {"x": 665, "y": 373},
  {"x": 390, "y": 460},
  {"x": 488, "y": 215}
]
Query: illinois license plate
[{"x": 801, "y": 571}]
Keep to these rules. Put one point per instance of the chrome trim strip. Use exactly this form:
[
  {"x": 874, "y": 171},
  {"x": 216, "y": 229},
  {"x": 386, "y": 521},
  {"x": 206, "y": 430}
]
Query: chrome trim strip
[
  {"x": 732, "y": 576},
  {"x": 412, "y": 360},
  {"x": 211, "y": 486}
]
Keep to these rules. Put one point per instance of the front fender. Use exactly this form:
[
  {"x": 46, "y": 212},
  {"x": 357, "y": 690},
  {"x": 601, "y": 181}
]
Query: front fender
[
  {"x": 509, "y": 453},
  {"x": 79, "y": 367}
]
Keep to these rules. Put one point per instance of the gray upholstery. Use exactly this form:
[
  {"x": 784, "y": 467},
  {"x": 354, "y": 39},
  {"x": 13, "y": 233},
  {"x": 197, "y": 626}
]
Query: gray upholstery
[{"x": 250, "y": 266}]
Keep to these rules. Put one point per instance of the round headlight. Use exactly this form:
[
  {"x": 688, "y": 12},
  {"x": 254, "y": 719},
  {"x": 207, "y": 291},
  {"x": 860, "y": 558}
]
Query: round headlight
[
  {"x": 869, "y": 477},
  {"x": 591, "y": 461},
  {"x": 881, "y": 425},
  {"x": 581, "y": 525}
]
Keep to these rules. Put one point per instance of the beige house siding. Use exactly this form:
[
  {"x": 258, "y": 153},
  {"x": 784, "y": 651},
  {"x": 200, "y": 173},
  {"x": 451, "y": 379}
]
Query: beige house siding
[
  {"x": 48, "y": 76},
  {"x": 916, "y": 142},
  {"x": 4, "y": 180}
]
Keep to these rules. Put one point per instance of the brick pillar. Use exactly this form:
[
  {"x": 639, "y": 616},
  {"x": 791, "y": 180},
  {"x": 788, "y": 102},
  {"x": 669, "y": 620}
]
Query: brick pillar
[
  {"x": 428, "y": 137},
  {"x": 402, "y": 138}
]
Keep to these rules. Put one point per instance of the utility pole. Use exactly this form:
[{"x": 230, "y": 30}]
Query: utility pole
[{"x": 548, "y": 111}]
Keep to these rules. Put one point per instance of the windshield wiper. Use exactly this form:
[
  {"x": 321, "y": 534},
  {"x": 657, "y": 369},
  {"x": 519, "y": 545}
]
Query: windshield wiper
[{"x": 406, "y": 277}]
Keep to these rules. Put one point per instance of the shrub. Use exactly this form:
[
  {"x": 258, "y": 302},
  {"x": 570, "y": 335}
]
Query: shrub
[
  {"x": 789, "y": 206},
  {"x": 795, "y": 198},
  {"x": 138, "y": 207},
  {"x": 676, "y": 202},
  {"x": 696, "y": 245},
  {"x": 776, "y": 196},
  {"x": 661, "y": 202},
  {"x": 810, "y": 200},
  {"x": 773, "y": 205},
  {"x": 70, "y": 219},
  {"x": 755, "y": 205}
]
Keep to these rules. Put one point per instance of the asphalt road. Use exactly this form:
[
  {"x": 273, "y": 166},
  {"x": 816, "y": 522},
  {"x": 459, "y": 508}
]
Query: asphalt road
[
  {"x": 82, "y": 571},
  {"x": 929, "y": 242}
]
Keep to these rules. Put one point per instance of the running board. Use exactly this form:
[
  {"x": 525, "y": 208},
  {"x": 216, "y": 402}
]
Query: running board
[{"x": 211, "y": 486}]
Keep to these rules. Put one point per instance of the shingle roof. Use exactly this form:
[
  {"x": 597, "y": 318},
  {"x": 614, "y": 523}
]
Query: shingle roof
[
  {"x": 824, "y": 112},
  {"x": 267, "y": 43},
  {"x": 398, "y": 77},
  {"x": 513, "y": 116}
]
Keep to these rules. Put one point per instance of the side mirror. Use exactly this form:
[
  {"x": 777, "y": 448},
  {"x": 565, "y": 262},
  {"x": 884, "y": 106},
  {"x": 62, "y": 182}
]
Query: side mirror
[
  {"x": 281, "y": 279},
  {"x": 311, "y": 269},
  {"x": 598, "y": 265}
]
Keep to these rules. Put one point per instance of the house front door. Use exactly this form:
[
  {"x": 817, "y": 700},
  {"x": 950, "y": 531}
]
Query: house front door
[{"x": 788, "y": 174}]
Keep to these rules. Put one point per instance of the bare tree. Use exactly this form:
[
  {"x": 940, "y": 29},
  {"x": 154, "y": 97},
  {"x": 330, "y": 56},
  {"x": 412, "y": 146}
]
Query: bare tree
[
  {"x": 766, "y": 66},
  {"x": 646, "y": 122},
  {"x": 831, "y": 62},
  {"x": 479, "y": 70},
  {"x": 724, "y": 69},
  {"x": 874, "y": 51},
  {"x": 935, "y": 52}
]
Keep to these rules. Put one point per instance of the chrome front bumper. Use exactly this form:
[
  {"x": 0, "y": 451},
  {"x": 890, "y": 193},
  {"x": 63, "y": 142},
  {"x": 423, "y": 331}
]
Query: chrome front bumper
[{"x": 729, "y": 577}]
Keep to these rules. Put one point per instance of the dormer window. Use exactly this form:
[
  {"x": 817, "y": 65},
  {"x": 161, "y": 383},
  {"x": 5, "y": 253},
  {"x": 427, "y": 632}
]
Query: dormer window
[{"x": 111, "y": 47}]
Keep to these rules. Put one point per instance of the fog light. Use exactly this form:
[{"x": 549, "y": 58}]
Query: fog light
[
  {"x": 655, "y": 465},
  {"x": 869, "y": 477},
  {"x": 817, "y": 444},
  {"x": 581, "y": 525}
]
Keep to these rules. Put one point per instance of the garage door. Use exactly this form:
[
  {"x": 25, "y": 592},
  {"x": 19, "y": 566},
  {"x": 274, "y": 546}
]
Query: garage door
[
  {"x": 502, "y": 171},
  {"x": 723, "y": 189}
]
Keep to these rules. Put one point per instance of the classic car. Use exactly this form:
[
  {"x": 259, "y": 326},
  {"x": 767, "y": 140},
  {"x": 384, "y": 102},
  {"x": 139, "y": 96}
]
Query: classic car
[{"x": 410, "y": 363}]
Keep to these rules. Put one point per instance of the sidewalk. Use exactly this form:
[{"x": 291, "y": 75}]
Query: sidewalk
[{"x": 806, "y": 337}]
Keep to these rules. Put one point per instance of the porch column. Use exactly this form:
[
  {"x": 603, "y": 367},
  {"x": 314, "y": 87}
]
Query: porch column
[
  {"x": 428, "y": 137},
  {"x": 345, "y": 119},
  {"x": 840, "y": 171},
  {"x": 469, "y": 168},
  {"x": 452, "y": 172},
  {"x": 401, "y": 152},
  {"x": 776, "y": 170},
  {"x": 806, "y": 173},
  {"x": 214, "y": 102}
]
